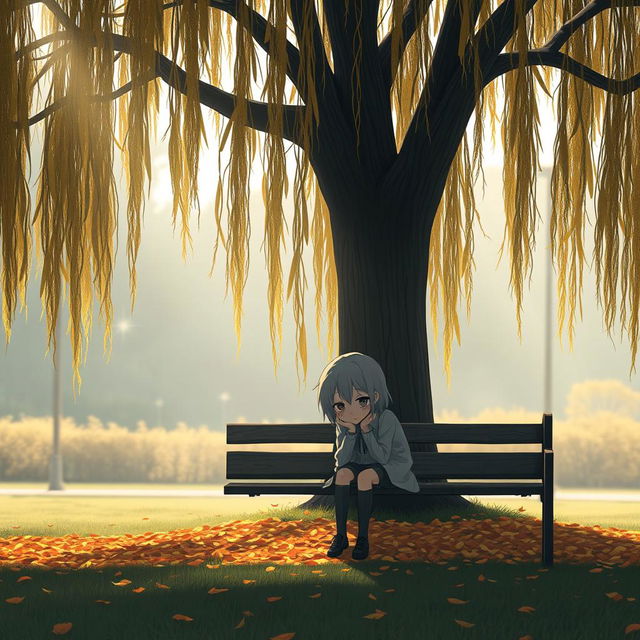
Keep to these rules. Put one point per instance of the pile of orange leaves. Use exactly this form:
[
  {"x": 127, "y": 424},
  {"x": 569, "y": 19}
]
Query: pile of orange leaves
[
  {"x": 505, "y": 539},
  {"x": 272, "y": 540}
]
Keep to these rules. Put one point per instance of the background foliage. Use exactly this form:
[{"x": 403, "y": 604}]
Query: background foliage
[{"x": 597, "y": 445}]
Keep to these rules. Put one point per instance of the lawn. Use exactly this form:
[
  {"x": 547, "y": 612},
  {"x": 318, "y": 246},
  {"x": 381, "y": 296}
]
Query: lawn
[{"x": 258, "y": 572}]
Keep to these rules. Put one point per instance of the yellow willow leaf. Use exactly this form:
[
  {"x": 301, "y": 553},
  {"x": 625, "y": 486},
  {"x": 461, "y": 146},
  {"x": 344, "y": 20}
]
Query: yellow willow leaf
[
  {"x": 526, "y": 609},
  {"x": 247, "y": 613},
  {"x": 315, "y": 595},
  {"x": 543, "y": 86},
  {"x": 214, "y": 590},
  {"x": 596, "y": 570},
  {"x": 377, "y": 615},
  {"x": 104, "y": 601},
  {"x": 240, "y": 624},
  {"x": 614, "y": 595},
  {"x": 372, "y": 596},
  {"x": 46, "y": 590},
  {"x": 273, "y": 598},
  {"x": 634, "y": 626},
  {"x": 464, "y": 623},
  {"x": 15, "y": 600},
  {"x": 23, "y": 578},
  {"x": 409, "y": 572},
  {"x": 389, "y": 590},
  {"x": 457, "y": 601},
  {"x": 270, "y": 569},
  {"x": 527, "y": 637},
  {"x": 138, "y": 590},
  {"x": 225, "y": 134},
  {"x": 179, "y": 616},
  {"x": 283, "y": 636},
  {"x": 122, "y": 583},
  {"x": 61, "y": 628},
  {"x": 247, "y": 581},
  {"x": 162, "y": 586}
]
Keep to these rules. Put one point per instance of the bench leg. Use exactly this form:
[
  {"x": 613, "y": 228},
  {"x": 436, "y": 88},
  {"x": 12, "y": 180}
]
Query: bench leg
[{"x": 547, "y": 514}]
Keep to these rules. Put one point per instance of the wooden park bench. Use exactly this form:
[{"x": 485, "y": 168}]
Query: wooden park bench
[{"x": 289, "y": 468}]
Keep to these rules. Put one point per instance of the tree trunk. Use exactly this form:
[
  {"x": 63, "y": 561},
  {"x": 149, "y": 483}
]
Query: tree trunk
[{"x": 381, "y": 264}]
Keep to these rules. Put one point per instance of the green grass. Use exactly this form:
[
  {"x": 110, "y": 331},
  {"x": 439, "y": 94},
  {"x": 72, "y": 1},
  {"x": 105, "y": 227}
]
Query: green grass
[{"x": 569, "y": 602}]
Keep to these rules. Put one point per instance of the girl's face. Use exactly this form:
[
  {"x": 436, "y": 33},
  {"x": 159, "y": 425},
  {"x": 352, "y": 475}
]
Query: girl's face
[{"x": 356, "y": 410}]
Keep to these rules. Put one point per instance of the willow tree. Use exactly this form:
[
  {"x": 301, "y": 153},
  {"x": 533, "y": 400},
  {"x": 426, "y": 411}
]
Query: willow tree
[{"x": 380, "y": 99}]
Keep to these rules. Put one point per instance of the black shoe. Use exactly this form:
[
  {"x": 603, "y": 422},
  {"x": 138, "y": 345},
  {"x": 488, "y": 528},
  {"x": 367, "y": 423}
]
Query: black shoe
[
  {"x": 361, "y": 550},
  {"x": 338, "y": 545}
]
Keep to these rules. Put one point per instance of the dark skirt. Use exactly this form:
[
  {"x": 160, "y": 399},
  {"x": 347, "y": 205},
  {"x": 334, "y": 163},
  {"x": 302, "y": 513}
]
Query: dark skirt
[{"x": 357, "y": 467}]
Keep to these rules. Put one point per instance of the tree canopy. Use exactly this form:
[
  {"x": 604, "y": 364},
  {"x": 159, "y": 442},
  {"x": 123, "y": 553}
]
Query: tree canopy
[{"x": 346, "y": 55}]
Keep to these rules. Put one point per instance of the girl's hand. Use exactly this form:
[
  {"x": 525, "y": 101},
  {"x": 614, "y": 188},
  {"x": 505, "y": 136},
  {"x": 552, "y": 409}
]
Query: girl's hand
[
  {"x": 364, "y": 425},
  {"x": 348, "y": 425}
]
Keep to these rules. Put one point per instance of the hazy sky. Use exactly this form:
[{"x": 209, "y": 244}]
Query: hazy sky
[{"x": 182, "y": 345}]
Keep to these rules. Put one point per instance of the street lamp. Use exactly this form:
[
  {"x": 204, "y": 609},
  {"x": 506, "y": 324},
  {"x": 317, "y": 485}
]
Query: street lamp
[
  {"x": 123, "y": 326},
  {"x": 224, "y": 398}
]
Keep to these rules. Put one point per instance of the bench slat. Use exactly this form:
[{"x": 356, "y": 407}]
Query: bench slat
[
  {"x": 417, "y": 432},
  {"x": 429, "y": 488},
  {"x": 250, "y": 465}
]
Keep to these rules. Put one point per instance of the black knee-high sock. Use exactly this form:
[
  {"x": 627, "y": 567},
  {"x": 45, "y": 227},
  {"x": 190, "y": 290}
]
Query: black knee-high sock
[
  {"x": 342, "y": 507},
  {"x": 365, "y": 501}
]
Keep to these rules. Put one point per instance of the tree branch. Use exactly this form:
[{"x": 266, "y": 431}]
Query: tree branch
[
  {"x": 550, "y": 55},
  {"x": 446, "y": 60},
  {"x": 321, "y": 62},
  {"x": 258, "y": 29},
  {"x": 412, "y": 17},
  {"x": 592, "y": 9},
  {"x": 510, "y": 61},
  {"x": 58, "y": 104},
  {"x": 210, "y": 96},
  {"x": 502, "y": 26}
]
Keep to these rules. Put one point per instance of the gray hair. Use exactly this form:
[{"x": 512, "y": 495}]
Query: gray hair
[{"x": 351, "y": 371}]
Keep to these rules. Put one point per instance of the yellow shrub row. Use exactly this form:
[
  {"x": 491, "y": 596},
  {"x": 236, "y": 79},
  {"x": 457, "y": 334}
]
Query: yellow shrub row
[{"x": 602, "y": 449}]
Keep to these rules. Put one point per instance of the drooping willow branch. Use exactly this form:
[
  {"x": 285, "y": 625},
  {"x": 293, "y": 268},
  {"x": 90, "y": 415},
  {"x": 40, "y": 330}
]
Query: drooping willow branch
[
  {"x": 210, "y": 96},
  {"x": 592, "y": 9},
  {"x": 411, "y": 18},
  {"x": 58, "y": 104},
  {"x": 258, "y": 28},
  {"x": 510, "y": 61}
]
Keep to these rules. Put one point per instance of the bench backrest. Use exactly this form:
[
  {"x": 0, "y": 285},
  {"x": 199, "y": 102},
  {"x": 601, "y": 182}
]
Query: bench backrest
[{"x": 287, "y": 465}]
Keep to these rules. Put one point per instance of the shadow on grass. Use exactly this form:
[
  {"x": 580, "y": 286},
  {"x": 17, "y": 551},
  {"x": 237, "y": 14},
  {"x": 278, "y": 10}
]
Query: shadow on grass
[{"x": 476, "y": 510}]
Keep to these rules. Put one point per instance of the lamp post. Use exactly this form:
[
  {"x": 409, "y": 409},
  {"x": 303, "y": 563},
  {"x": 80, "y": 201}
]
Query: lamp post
[
  {"x": 55, "y": 464},
  {"x": 548, "y": 304},
  {"x": 159, "y": 404}
]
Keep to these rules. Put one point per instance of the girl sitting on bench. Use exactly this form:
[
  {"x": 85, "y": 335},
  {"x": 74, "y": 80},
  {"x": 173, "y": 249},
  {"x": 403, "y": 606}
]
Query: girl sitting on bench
[{"x": 370, "y": 442}]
